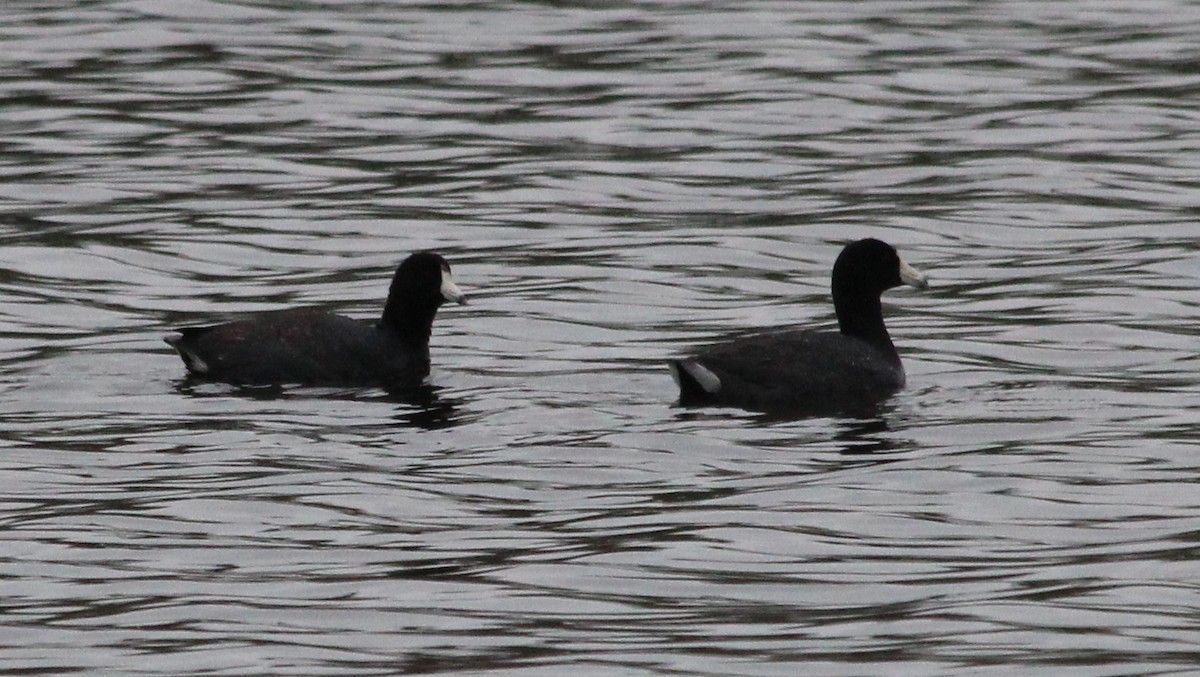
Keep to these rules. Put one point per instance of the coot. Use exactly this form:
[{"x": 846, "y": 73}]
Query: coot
[
  {"x": 312, "y": 347},
  {"x": 811, "y": 371}
]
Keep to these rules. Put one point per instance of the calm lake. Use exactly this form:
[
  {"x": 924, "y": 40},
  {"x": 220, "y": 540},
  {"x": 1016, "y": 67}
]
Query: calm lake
[{"x": 614, "y": 183}]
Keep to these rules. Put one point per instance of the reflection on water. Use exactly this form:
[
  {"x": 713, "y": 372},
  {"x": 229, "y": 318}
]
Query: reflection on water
[
  {"x": 621, "y": 182},
  {"x": 426, "y": 406}
]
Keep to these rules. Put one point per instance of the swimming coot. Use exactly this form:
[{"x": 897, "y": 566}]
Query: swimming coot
[
  {"x": 811, "y": 371},
  {"x": 312, "y": 347}
]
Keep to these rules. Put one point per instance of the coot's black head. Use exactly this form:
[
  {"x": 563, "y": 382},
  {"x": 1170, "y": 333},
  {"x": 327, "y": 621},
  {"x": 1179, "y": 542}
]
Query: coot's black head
[
  {"x": 870, "y": 267},
  {"x": 420, "y": 286},
  {"x": 863, "y": 271}
]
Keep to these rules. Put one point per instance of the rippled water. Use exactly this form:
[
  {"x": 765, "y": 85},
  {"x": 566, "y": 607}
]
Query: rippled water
[{"x": 614, "y": 183}]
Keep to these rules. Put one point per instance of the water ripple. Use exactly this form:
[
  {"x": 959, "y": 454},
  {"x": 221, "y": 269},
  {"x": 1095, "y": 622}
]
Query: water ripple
[{"x": 613, "y": 185}]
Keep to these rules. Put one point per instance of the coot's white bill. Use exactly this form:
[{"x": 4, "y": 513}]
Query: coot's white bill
[
  {"x": 450, "y": 291},
  {"x": 912, "y": 277}
]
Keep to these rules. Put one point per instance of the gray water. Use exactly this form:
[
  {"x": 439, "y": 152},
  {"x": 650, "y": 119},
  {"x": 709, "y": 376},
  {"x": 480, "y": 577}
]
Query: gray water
[{"x": 614, "y": 183}]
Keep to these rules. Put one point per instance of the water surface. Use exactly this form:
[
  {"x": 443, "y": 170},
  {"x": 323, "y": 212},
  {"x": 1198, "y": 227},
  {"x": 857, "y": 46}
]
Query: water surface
[{"x": 613, "y": 183}]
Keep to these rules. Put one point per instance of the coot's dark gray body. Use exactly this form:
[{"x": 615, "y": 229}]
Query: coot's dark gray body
[
  {"x": 312, "y": 347},
  {"x": 774, "y": 371},
  {"x": 811, "y": 371},
  {"x": 301, "y": 346}
]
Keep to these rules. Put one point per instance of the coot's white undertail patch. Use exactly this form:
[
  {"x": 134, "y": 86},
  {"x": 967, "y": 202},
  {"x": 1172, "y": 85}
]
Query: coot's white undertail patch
[
  {"x": 313, "y": 347},
  {"x": 694, "y": 371},
  {"x": 806, "y": 371}
]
